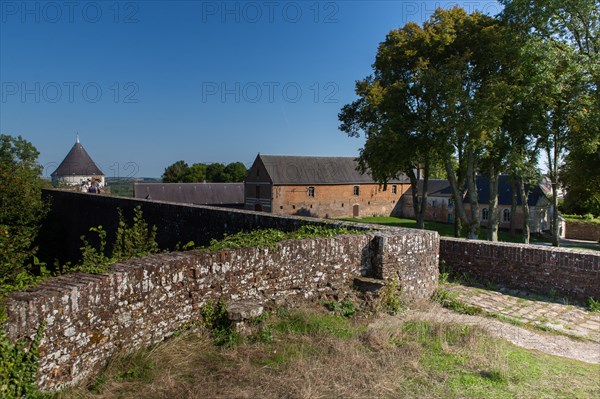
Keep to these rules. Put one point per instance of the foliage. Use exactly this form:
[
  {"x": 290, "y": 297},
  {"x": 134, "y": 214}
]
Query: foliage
[
  {"x": 21, "y": 211},
  {"x": 268, "y": 238},
  {"x": 176, "y": 172},
  {"x": 19, "y": 364},
  {"x": 136, "y": 240},
  {"x": 587, "y": 218},
  {"x": 438, "y": 95},
  {"x": 593, "y": 305},
  {"x": 390, "y": 298},
  {"x": 180, "y": 172},
  {"x": 131, "y": 241},
  {"x": 449, "y": 300},
  {"x": 214, "y": 319},
  {"x": 345, "y": 308}
]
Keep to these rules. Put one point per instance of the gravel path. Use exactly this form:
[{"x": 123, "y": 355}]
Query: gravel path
[{"x": 552, "y": 344}]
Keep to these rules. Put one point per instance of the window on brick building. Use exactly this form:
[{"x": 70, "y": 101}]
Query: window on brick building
[
  {"x": 485, "y": 214},
  {"x": 311, "y": 191},
  {"x": 356, "y": 190},
  {"x": 394, "y": 189},
  {"x": 257, "y": 191},
  {"x": 506, "y": 215}
]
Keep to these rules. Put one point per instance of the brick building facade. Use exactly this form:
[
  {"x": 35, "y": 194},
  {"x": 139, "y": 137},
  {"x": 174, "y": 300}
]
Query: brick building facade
[{"x": 318, "y": 186}]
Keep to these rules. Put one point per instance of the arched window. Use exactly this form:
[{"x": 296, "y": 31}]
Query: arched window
[
  {"x": 506, "y": 215},
  {"x": 485, "y": 214}
]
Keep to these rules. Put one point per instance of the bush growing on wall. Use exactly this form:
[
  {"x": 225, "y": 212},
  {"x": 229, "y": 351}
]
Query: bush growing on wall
[{"x": 133, "y": 241}]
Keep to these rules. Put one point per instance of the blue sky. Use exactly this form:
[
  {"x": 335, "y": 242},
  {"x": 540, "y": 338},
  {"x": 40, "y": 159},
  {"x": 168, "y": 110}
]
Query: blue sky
[{"x": 147, "y": 83}]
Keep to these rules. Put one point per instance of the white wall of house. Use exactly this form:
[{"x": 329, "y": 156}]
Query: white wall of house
[{"x": 74, "y": 180}]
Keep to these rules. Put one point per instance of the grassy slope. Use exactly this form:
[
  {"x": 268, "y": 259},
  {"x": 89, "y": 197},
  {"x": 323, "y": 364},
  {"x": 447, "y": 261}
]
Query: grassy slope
[{"x": 308, "y": 354}]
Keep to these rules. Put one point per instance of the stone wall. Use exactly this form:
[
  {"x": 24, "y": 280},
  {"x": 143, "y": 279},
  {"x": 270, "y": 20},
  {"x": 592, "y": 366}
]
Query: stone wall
[
  {"x": 142, "y": 301},
  {"x": 72, "y": 214},
  {"x": 567, "y": 272},
  {"x": 582, "y": 230}
]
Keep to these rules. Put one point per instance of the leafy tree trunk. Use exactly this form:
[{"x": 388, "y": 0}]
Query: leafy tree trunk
[
  {"x": 457, "y": 224},
  {"x": 492, "y": 227},
  {"x": 423, "y": 210},
  {"x": 513, "y": 204},
  {"x": 458, "y": 205},
  {"x": 414, "y": 183},
  {"x": 525, "y": 206},
  {"x": 473, "y": 224}
]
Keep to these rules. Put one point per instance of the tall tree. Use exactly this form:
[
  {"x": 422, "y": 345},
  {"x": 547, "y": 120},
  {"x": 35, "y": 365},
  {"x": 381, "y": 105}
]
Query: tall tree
[
  {"x": 235, "y": 172},
  {"x": 571, "y": 32},
  {"x": 176, "y": 172},
  {"x": 395, "y": 112},
  {"x": 195, "y": 173},
  {"x": 22, "y": 207}
]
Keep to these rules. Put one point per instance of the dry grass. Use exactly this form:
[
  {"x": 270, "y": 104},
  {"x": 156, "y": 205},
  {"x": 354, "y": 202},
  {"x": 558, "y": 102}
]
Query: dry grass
[{"x": 314, "y": 355}]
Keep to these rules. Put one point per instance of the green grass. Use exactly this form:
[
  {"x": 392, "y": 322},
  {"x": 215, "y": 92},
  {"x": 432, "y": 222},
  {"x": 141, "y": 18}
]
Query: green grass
[
  {"x": 444, "y": 229},
  {"x": 318, "y": 354},
  {"x": 447, "y": 230}
]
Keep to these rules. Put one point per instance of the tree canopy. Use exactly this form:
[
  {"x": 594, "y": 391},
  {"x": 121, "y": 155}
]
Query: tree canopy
[
  {"x": 180, "y": 172},
  {"x": 22, "y": 208}
]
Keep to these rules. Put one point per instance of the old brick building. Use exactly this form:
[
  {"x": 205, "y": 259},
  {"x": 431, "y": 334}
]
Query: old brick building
[
  {"x": 440, "y": 206},
  {"x": 318, "y": 186}
]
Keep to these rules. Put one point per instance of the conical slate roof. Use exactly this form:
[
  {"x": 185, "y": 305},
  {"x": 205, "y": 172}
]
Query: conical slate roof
[{"x": 77, "y": 163}]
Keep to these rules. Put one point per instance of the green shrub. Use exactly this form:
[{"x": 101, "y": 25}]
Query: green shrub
[
  {"x": 131, "y": 241},
  {"x": 390, "y": 298},
  {"x": 19, "y": 364},
  {"x": 593, "y": 305},
  {"x": 345, "y": 308},
  {"x": 214, "y": 319},
  {"x": 268, "y": 238}
]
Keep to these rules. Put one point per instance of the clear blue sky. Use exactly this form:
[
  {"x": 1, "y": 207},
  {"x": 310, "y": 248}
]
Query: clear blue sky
[{"x": 147, "y": 83}]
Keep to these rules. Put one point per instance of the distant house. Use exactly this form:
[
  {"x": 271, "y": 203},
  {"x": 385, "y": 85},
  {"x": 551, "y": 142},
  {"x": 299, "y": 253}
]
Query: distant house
[
  {"x": 230, "y": 195},
  {"x": 440, "y": 207},
  {"x": 76, "y": 168},
  {"x": 318, "y": 186}
]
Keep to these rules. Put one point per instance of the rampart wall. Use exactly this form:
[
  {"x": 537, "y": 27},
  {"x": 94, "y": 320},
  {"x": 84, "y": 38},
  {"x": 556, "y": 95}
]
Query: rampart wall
[
  {"x": 569, "y": 272},
  {"x": 90, "y": 318}
]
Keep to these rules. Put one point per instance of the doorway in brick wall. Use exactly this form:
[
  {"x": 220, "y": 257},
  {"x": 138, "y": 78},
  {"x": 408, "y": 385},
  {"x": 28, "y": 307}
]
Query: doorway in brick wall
[{"x": 355, "y": 211}]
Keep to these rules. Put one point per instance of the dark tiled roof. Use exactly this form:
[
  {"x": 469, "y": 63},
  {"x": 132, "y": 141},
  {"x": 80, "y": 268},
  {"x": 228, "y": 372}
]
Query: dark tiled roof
[
  {"x": 77, "y": 163},
  {"x": 291, "y": 170},
  {"x": 505, "y": 191},
  {"x": 192, "y": 193},
  {"x": 435, "y": 188},
  {"x": 441, "y": 188}
]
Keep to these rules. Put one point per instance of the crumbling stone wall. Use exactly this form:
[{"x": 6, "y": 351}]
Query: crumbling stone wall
[
  {"x": 92, "y": 317},
  {"x": 568, "y": 272}
]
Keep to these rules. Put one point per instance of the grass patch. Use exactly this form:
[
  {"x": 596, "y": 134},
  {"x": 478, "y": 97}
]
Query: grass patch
[
  {"x": 593, "y": 305},
  {"x": 317, "y": 354},
  {"x": 450, "y": 301}
]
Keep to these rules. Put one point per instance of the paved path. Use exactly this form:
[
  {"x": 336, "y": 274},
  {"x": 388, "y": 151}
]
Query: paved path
[{"x": 542, "y": 313}]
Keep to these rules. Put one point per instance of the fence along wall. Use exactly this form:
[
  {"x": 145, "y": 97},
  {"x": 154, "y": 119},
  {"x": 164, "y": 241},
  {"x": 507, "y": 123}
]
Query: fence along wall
[
  {"x": 568, "y": 272},
  {"x": 92, "y": 317}
]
